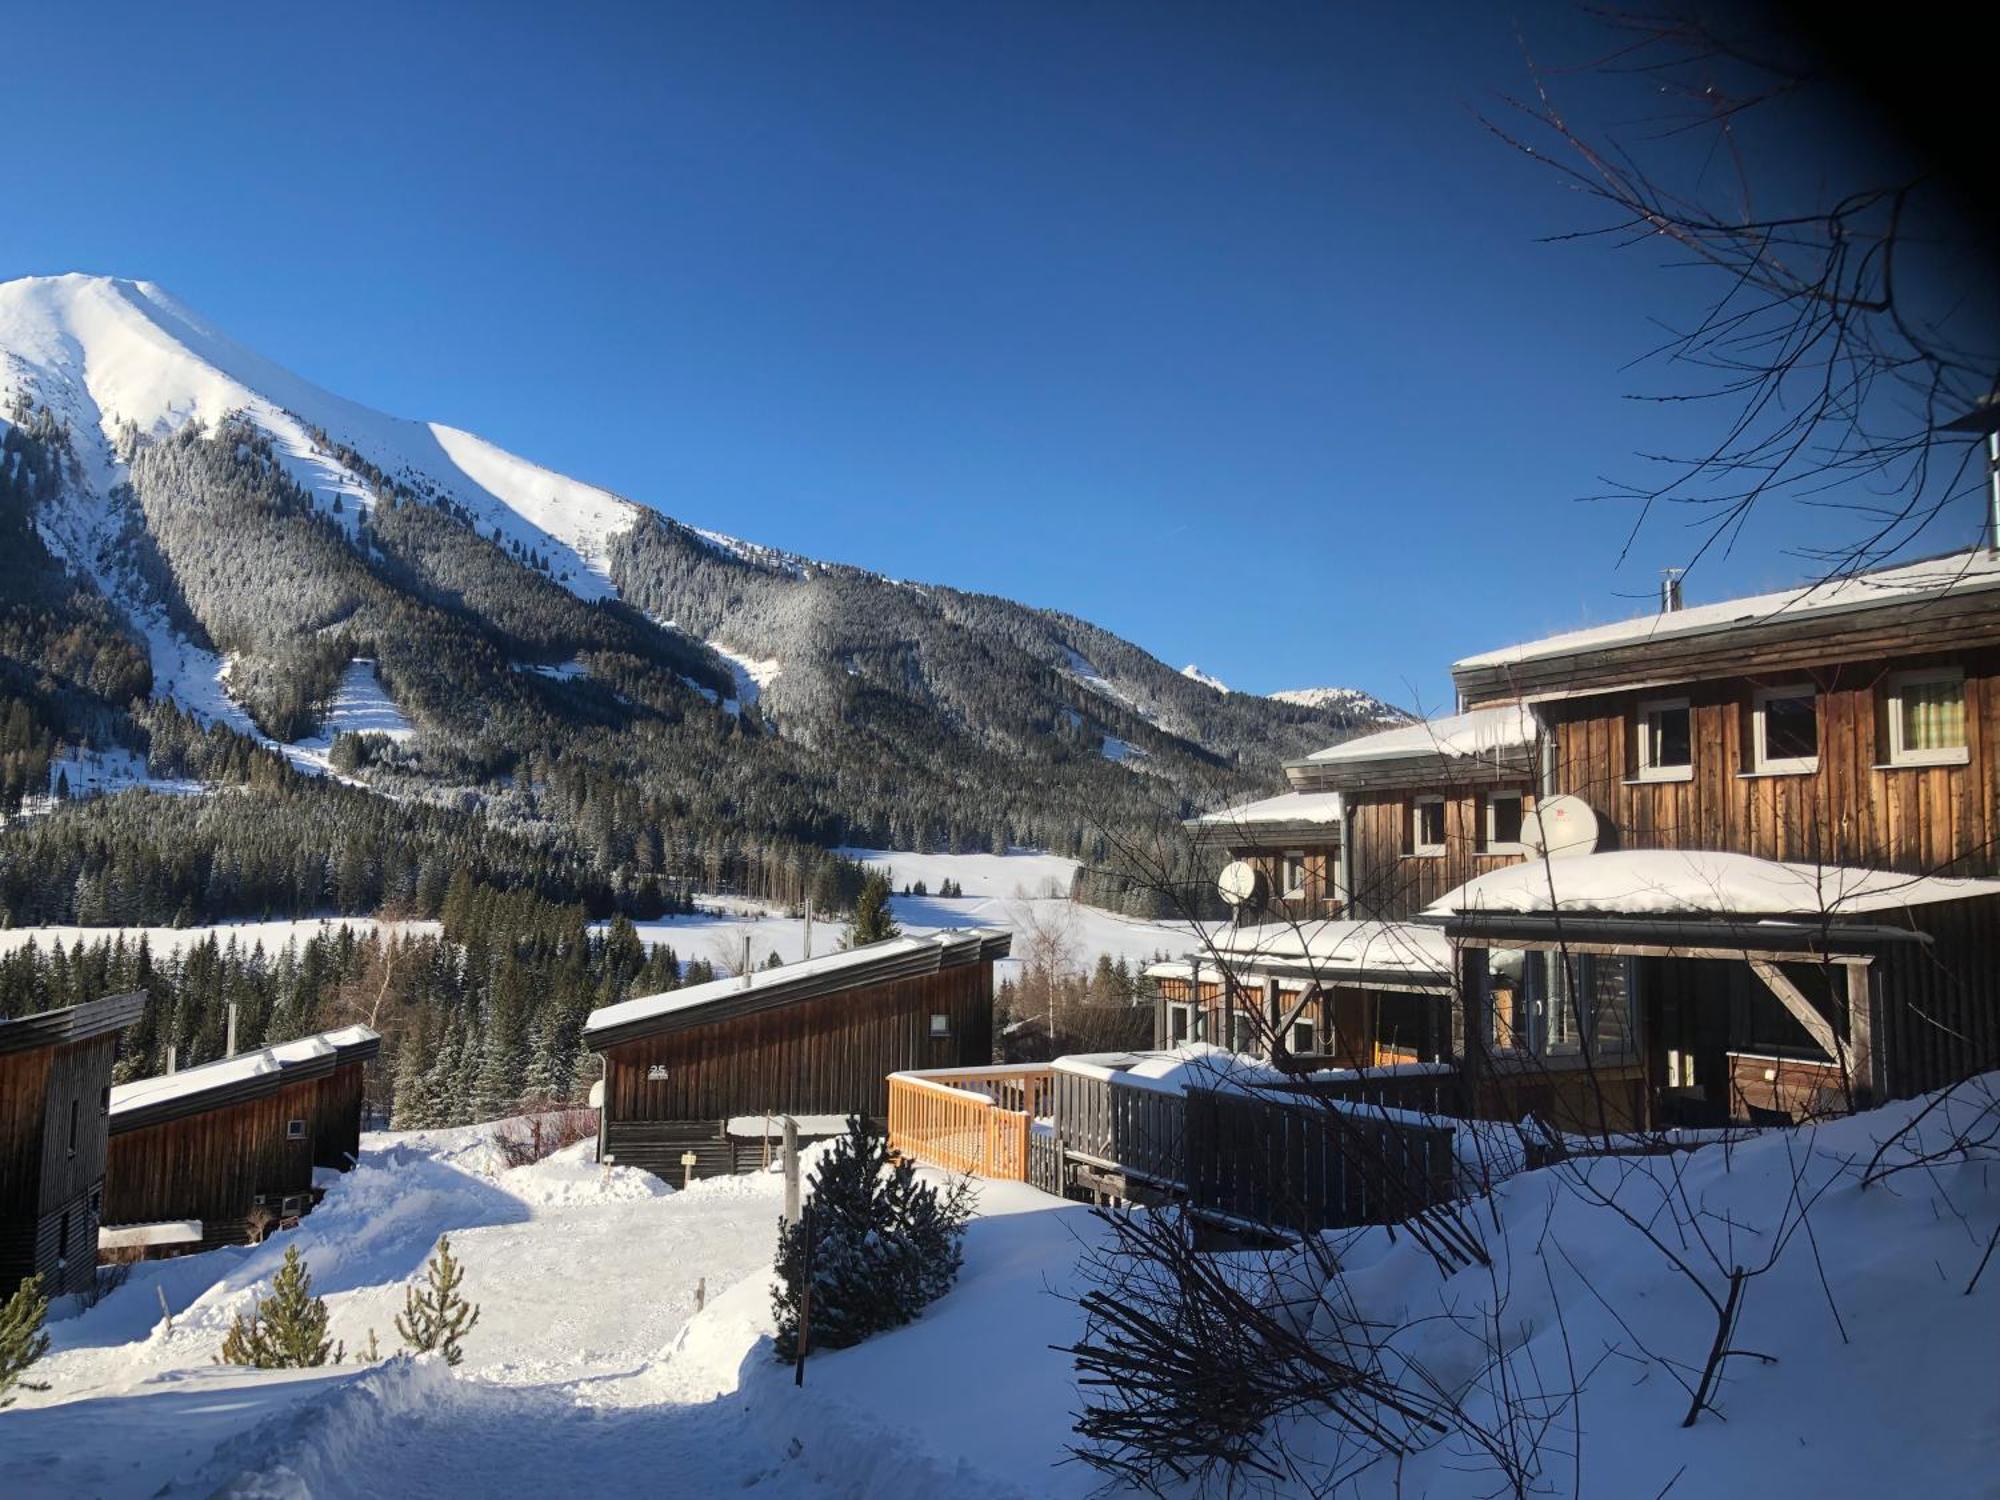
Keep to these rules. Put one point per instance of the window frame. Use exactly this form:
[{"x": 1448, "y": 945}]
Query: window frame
[
  {"x": 1185, "y": 1008},
  {"x": 940, "y": 1026},
  {"x": 1291, "y": 858},
  {"x": 1418, "y": 847},
  {"x": 1761, "y": 760},
  {"x": 1898, "y": 683},
  {"x": 1644, "y": 769},
  {"x": 295, "y": 1129},
  {"x": 1496, "y": 845},
  {"x": 1311, "y": 1029}
]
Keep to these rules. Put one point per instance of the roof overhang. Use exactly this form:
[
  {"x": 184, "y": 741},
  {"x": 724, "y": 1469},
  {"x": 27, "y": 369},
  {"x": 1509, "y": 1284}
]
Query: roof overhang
[
  {"x": 772, "y": 989},
  {"x": 231, "y": 1089},
  {"x": 1651, "y": 935},
  {"x": 1272, "y": 836},
  {"x": 75, "y": 1023},
  {"x": 1420, "y": 771}
]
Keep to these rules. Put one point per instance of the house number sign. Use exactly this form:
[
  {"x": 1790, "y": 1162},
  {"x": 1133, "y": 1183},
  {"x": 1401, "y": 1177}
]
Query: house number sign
[{"x": 657, "y": 1073}]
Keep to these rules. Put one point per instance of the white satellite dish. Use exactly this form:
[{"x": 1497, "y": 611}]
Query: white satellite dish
[
  {"x": 1561, "y": 827},
  {"x": 1239, "y": 882}
]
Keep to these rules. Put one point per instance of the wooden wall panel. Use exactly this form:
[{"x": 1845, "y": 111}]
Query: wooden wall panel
[
  {"x": 1392, "y": 883},
  {"x": 830, "y": 1055},
  {"x": 212, "y": 1166},
  {"x": 1853, "y": 810}
]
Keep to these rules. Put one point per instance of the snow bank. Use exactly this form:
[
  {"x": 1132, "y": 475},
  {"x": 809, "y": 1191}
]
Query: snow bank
[{"x": 315, "y": 1447}]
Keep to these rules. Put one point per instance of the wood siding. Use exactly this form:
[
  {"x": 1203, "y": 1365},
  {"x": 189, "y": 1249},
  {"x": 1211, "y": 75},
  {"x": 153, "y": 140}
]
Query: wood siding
[
  {"x": 1391, "y": 882},
  {"x": 49, "y": 1181},
  {"x": 831, "y": 1054},
  {"x": 213, "y": 1165},
  {"x": 1851, "y": 811}
]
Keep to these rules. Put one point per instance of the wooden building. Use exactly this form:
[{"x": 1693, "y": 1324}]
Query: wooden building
[
  {"x": 55, "y": 1083},
  {"x": 222, "y": 1153},
  {"x": 1841, "y": 745},
  {"x": 1293, "y": 843},
  {"x": 817, "y": 1038}
]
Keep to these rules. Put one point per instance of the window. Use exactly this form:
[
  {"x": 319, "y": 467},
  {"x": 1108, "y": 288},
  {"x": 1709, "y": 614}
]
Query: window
[
  {"x": 72, "y": 1126},
  {"x": 1302, "y": 1038},
  {"x": 940, "y": 1025},
  {"x": 1503, "y": 822},
  {"x": 1540, "y": 1004},
  {"x": 1666, "y": 740},
  {"x": 1239, "y": 1032},
  {"x": 1785, "y": 729},
  {"x": 1927, "y": 718},
  {"x": 1178, "y": 1022},
  {"x": 1427, "y": 826},
  {"x": 1292, "y": 873},
  {"x": 295, "y": 1130}
]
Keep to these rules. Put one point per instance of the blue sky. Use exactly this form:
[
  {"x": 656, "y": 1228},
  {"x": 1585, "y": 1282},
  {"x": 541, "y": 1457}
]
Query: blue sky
[{"x": 1225, "y": 327}]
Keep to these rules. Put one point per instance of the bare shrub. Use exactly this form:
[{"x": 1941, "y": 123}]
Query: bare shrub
[{"x": 542, "y": 1133}]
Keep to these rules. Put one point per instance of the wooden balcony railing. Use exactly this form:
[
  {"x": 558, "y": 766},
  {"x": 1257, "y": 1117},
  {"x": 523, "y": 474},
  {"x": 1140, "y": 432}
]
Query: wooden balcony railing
[{"x": 973, "y": 1120}]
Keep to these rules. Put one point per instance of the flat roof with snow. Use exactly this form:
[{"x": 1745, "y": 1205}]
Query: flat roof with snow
[
  {"x": 764, "y": 989},
  {"x": 232, "y": 1080},
  {"x": 1499, "y": 738},
  {"x": 1308, "y": 813},
  {"x": 1392, "y": 954}
]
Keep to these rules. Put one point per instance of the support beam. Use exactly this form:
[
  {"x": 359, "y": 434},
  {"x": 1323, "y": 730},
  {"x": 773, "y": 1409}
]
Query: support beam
[
  {"x": 1865, "y": 1071},
  {"x": 1803, "y": 1010},
  {"x": 1273, "y": 1004}
]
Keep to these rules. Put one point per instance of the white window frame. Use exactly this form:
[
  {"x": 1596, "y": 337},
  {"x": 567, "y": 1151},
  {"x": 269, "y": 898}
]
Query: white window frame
[
  {"x": 295, "y": 1130},
  {"x": 1760, "y": 758},
  {"x": 1498, "y": 845},
  {"x": 1186, "y": 1010},
  {"x": 940, "y": 1025},
  {"x": 1417, "y": 844},
  {"x": 1957, "y": 755},
  {"x": 1288, "y": 861},
  {"x": 1648, "y": 771},
  {"x": 1305, "y": 1024}
]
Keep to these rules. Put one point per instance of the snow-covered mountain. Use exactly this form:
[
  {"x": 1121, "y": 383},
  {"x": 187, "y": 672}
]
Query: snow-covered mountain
[
  {"x": 1194, "y": 673},
  {"x": 261, "y": 534},
  {"x": 1365, "y": 706}
]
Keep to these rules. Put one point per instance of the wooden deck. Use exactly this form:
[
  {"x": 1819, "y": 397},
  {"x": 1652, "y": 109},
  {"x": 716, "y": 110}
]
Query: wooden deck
[{"x": 975, "y": 1120}]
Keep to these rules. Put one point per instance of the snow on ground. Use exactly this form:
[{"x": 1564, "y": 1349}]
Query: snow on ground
[
  {"x": 590, "y": 1371},
  {"x": 166, "y": 940},
  {"x": 753, "y": 675},
  {"x": 1021, "y": 891},
  {"x": 360, "y": 705}
]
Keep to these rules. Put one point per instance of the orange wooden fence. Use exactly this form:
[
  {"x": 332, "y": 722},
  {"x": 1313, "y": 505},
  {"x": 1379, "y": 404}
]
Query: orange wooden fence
[{"x": 973, "y": 1120}]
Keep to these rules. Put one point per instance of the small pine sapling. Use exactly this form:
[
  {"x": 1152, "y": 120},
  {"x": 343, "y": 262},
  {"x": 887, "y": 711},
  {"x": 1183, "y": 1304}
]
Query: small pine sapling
[
  {"x": 440, "y": 1317},
  {"x": 22, "y": 1338},
  {"x": 286, "y": 1331}
]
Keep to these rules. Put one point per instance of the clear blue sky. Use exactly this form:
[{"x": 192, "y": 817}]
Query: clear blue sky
[{"x": 1226, "y": 327}]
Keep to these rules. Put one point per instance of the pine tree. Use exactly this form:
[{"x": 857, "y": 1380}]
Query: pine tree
[
  {"x": 286, "y": 1331},
  {"x": 22, "y": 1338},
  {"x": 440, "y": 1317},
  {"x": 883, "y": 1244},
  {"x": 873, "y": 921}
]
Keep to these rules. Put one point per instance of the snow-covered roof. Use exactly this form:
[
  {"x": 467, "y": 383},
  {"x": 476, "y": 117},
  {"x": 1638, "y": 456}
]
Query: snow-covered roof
[
  {"x": 850, "y": 968},
  {"x": 1205, "y": 1066},
  {"x": 199, "y": 1086},
  {"x": 1481, "y": 732},
  {"x": 1328, "y": 948},
  {"x": 1698, "y": 883},
  {"x": 1287, "y": 807},
  {"x": 1959, "y": 572}
]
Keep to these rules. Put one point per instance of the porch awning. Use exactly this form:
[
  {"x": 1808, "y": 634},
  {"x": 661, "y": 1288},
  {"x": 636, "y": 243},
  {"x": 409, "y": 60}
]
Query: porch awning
[{"x": 1695, "y": 899}]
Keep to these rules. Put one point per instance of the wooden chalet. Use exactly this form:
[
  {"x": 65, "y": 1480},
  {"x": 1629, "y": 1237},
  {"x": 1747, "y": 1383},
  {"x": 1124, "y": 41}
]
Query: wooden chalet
[
  {"x": 1292, "y": 841},
  {"x": 700, "y": 1070},
  {"x": 1839, "y": 748},
  {"x": 222, "y": 1153},
  {"x": 55, "y": 1085}
]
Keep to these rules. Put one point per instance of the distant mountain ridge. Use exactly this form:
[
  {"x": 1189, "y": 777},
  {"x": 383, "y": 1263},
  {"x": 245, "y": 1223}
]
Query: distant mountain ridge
[{"x": 256, "y": 534}]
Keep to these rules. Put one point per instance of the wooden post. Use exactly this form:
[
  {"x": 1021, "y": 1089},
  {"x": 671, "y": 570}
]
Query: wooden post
[
  {"x": 165, "y": 1311},
  {"x": 1469, "y": 1020},
  {"x": 805, "y": 1303},
  {"x": 1867, "y": 1077},
  {"x": 700, "y": 1293},
  {"x": 688, "y": 1159},
  {"x": 791, "y": 1170},
  {"x": 1273, "y": 1008}
]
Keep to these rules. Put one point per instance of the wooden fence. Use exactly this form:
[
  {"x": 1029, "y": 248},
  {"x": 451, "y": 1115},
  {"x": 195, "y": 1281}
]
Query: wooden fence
[{"x": 975, "y": 1120}]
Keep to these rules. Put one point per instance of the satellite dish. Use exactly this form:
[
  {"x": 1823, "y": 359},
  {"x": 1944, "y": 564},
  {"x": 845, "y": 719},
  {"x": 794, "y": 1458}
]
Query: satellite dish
[
  {"x": 1240, "y": 883},
  {"x": 1561, "y": 827}
]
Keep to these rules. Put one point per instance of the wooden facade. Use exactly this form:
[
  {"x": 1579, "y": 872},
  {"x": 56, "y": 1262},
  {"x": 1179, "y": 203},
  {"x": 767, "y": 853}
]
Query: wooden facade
[
  {"x": 55, "y": 1079},
  {"x": 1392, "y": 880},
  {"x": 233, "y": 1144},
  {"x": 816, "y": 1038},
  {"x": 1853, "y": 809}
]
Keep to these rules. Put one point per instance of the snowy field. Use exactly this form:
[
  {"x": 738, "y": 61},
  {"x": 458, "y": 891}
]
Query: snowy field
[
  {"x": 1022, "y": 892},
  {"x": 247, "y": 935},
  {"x": 592, "y": 1372}
]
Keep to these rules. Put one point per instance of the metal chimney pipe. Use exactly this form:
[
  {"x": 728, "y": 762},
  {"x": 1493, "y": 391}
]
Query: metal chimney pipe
[
  {"x": 1993, "y": 491},
  {"x": 173, "y": 1054},
  {"x": 229, "y": 1047},
  {"x": 1670, "y": 590},
  {"x": 745, "y": 970}
]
